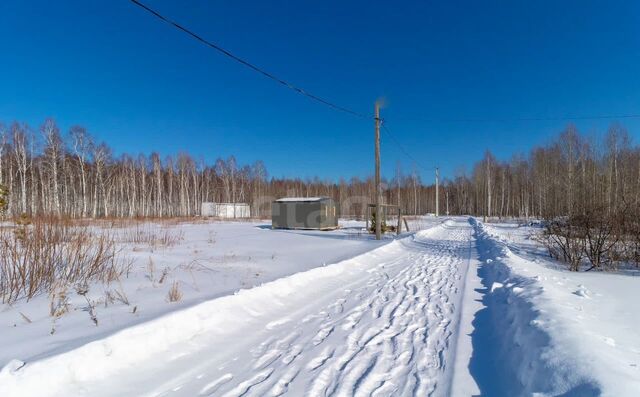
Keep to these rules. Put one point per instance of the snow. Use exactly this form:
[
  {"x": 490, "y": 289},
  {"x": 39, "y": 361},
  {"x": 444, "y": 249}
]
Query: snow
[
  {"x": 578, "y": 333},
  {"x": 212, "y": 259},
  {"x": 459, "y": 308},
  {"x": 322, "y": 327}
]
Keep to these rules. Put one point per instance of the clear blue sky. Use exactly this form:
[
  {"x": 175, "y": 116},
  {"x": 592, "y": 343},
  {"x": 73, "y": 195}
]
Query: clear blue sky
[{"x": 140, "y": 85}]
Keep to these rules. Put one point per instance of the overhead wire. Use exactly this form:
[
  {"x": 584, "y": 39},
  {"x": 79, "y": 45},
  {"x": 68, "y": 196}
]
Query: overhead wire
[
  {"x": 402, "y": 148},
  {"x": 352, "y": 112},
  {"x": 516, "y": 119},
  {"x": 247, "y": 63}
]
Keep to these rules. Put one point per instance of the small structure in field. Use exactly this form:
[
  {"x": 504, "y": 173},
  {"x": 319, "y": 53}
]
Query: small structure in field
[
  {"x": 386, "y": 209},
  {"x": 320, "y": 213},
  {"x": 226, "y": 210}
]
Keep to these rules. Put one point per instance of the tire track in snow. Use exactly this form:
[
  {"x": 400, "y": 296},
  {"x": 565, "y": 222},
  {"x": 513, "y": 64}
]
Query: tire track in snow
[{"x": 390, "y": 335}]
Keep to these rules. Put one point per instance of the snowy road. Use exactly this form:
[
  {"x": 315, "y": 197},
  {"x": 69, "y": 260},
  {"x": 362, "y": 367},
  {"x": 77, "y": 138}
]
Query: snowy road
[
  {"x": 386, "y": 334},
  {"x": 383, "y": 323}
]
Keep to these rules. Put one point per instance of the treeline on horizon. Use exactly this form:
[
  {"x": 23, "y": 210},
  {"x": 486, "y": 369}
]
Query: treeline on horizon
[{"x": 48, "y": 172}]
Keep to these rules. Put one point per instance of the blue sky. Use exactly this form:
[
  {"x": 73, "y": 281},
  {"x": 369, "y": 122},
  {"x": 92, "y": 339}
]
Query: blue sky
[{"x": 143, "y": 86}]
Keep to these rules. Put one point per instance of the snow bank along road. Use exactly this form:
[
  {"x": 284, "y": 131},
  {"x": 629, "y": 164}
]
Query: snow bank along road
[{"x": 382, "y": 323}]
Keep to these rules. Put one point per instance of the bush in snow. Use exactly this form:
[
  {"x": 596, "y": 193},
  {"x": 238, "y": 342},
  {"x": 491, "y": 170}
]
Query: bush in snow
[
  {"x": 601, "y": 237},
  {"x": 36, "y": 256},
  {"x": 4, "y": 199},
  {"x": 565, "y": 241}
]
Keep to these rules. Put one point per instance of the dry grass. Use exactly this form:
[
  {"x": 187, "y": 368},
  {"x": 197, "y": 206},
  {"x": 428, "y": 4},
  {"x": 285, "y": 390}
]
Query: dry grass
[
  {"x": 152, "y": 235},
  {"x": 44, "y": 255},
  {"x": 113, "y": 296},
  {"x": 174, "y": 295}
]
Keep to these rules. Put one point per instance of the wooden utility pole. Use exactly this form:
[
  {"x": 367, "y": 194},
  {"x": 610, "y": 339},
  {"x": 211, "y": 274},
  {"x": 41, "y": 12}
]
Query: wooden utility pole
[
  {"x": 488, "y": 188},
  {"x": 377, "y": 181},
  {"x": 399, "y": 227},
  {"x": 398, "y": 182},
  {"x": 437, "y": 192},
  {"x": 446, "y": 195}
]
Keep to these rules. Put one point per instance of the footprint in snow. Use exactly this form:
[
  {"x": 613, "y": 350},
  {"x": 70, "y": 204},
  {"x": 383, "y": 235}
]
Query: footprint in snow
[
  {"x": 278, "y": 323},
  {"x": 293, "y": 353},
  {"x": 317, "y": 362},
  {"x": 582, "y": 292},
  {"x": 212, "y": 387},
  {"x": 245, "y": 386},
  {"x": 282, "y": 385},
  {"x": 268, "y": 358},
  {"x": 322, "y": 335}
]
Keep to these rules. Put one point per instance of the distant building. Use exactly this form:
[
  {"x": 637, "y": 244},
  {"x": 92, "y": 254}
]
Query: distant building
[
  {"x": 226, "y": 210},
  {"x": 304, "y": 213}
]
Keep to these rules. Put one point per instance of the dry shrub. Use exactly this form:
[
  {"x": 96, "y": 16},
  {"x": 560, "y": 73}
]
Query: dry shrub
[
  {"x": 58, "y": 301},
  {"x": 565, "y": 241},
  {"x": 116, "y": 295},
  {"x": 37, "y": 256},
  {"x": 605, "y": 239},
  {"x": 169, "y": 238},
  {"x": 163, "y": 276},
  {"x": 174, "y": 295},
  {"x": 634, "y": 244},
  {"x": 150, "y": 235},
  {"x": 139, "y": 234}
]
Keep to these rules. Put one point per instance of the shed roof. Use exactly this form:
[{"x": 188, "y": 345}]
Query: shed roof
[{"x": 300, "y": 199}]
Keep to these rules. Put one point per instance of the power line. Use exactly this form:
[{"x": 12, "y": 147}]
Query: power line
[
  {"x": 248, "y": 64},
  {"x": 514, "y": 119},
  {"x": 598, "y": 117},
  {"x": 353, "y": 112},
  {"x": 402, "y": 149}
]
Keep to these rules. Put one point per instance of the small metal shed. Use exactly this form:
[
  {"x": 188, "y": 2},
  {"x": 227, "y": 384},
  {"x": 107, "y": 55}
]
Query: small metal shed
[
  {"x": 304, "y": 213},
  {"x": 226, "y": 210}
]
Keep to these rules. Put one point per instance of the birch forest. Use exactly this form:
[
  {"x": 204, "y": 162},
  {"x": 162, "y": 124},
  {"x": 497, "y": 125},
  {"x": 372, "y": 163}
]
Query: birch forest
[{"x": 45, "y": 171}]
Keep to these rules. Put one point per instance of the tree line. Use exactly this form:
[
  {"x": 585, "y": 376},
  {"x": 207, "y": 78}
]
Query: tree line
[
  {"x": 585, "y": 189},
  {"x": 48, "y": 172},
  {"x": 575, "y": 173}
]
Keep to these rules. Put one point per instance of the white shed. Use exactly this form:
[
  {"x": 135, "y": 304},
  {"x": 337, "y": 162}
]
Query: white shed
[{"x": 226, "y": 210}]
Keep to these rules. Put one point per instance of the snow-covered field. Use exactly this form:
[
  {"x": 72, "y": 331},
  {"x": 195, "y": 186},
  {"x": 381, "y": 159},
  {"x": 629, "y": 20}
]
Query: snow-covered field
[
  {"x": 458, "y": 308},
  {"x": 205, "y": 261},
  {"x": 584, "y": 327}
]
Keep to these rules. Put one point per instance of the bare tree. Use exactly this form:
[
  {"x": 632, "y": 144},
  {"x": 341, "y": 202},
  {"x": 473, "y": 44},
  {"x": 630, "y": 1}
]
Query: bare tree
[
  {"x": 53, "y": 152},
  {"x": 20, "y": 151},
  {"x": 82, "y": 146}
]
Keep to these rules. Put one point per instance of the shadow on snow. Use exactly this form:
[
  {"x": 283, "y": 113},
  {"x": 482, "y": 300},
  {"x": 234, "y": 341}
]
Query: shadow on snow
[{"x": 507, "y": 347}]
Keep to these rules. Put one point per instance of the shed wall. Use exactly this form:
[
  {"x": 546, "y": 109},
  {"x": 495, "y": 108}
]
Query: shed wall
[{"x": 304, "y": 215}]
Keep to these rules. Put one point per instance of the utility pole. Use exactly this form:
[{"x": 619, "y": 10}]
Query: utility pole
[
  {"x": 437, "y": 192},
  {"x": 398, "y": 182},
  {"x": 446, "y": 194},
  {"x": 378, "y": 217},
  {"x": 399, "y": 227}
]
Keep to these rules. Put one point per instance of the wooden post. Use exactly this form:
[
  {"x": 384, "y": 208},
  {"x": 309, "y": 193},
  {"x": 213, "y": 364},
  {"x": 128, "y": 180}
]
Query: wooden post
[
  {"x": 377, "y": 177},
  {"x": 367, "y": 217},
  {"x": 399, "y": 228}
]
